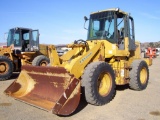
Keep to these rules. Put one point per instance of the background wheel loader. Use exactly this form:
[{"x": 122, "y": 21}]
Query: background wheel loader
[
  {"x": 22, "y": 49},
  {"x": 96, "y": 65}
]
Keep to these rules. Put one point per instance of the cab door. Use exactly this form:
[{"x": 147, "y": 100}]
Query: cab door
[
  {"x": 131, "y": 34},
  {"x": 34, "y": 40}
]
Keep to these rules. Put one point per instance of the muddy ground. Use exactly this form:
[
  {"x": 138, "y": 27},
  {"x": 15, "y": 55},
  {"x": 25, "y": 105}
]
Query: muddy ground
[{"x": 127, "y": 104}]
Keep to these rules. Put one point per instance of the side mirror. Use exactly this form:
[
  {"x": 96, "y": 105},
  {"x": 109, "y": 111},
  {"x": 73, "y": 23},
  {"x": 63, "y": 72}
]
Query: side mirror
[{"x": 85, "y": 18}]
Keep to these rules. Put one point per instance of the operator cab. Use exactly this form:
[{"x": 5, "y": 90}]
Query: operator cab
[
  {"x": 112, "y": 25},
  {"x": 23, "y": 39}
]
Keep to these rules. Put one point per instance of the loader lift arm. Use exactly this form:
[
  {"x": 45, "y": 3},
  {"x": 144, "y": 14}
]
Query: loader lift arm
[
  {"x": 85, "y": 57},
  {"x": 84, "y": 60}
]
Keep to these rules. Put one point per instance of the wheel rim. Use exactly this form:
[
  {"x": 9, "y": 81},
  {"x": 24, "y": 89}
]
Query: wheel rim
[
  {"x": 143, "y": 75},
  {"x": 3, "y": 67},
  {"x": 104, "y": 84},
  {"x": 43, "y": 63}
]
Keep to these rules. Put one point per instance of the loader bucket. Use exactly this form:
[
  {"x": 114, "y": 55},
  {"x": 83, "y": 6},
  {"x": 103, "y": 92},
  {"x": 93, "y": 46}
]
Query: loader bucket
[{"x": 49, "y": 88}]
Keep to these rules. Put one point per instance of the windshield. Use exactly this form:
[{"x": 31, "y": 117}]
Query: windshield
[
  {"x": 101, "y": 26},
  {"x": 13, "y": 38}
]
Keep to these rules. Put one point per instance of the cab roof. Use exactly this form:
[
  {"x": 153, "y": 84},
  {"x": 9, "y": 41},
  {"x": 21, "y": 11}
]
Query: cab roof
[
  {"x": 111, "y": 9},
  {"x": 22, "y": 28}
]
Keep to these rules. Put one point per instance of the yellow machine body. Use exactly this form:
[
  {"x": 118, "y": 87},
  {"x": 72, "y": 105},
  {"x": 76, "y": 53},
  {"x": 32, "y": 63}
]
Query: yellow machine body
[{"x": 57, "y": 88}]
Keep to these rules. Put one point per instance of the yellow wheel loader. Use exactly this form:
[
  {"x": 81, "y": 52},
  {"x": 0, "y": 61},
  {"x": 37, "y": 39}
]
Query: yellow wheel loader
[
  {"x": 22, "y": 49},
  {"x": 109, "y": 57}
]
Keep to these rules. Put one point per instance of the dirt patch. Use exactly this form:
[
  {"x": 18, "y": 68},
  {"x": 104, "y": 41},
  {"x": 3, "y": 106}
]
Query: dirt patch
[
  {"x": 155, "y": 113},
  {"x": 5, "y": 104}
]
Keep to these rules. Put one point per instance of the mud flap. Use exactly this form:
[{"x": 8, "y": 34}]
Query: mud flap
[{"x": 49, "y": 88}]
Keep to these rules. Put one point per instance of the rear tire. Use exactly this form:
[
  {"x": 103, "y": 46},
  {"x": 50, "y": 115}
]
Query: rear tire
[
  {"x": 6, "y": 68},
  {"x": 139, "y": 75},
  {"x": 98, "y": 81},
  {"x": 40, "y": 60}
]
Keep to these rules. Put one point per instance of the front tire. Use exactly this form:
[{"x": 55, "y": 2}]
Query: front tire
[
  {"x": 6, "y": 68},
  {"x": 98, "y": 81},
  {"x": 139, "y": 75},
  {"x": 40, "y": 60}
]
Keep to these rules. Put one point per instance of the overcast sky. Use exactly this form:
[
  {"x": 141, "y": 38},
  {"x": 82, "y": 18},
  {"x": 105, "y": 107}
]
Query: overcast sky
[{"x": 61, "y": 21}]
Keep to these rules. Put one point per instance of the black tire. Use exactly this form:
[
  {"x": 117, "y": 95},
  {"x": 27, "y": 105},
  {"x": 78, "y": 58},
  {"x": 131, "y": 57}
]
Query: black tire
[
  {"x": 6, "y": 68},
  {"x": 91, "y": 80},
  {"x": 139, "y": 75},
  {"x": 40, "y": 60}
]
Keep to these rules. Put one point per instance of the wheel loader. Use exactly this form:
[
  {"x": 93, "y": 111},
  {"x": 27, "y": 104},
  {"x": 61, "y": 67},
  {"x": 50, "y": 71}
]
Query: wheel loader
[
  {"x": 22, "y": 49},
  {"x": 110, "y": 56}
]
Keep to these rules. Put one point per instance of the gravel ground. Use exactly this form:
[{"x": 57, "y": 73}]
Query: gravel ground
[{"x": 127, "y": 104}]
